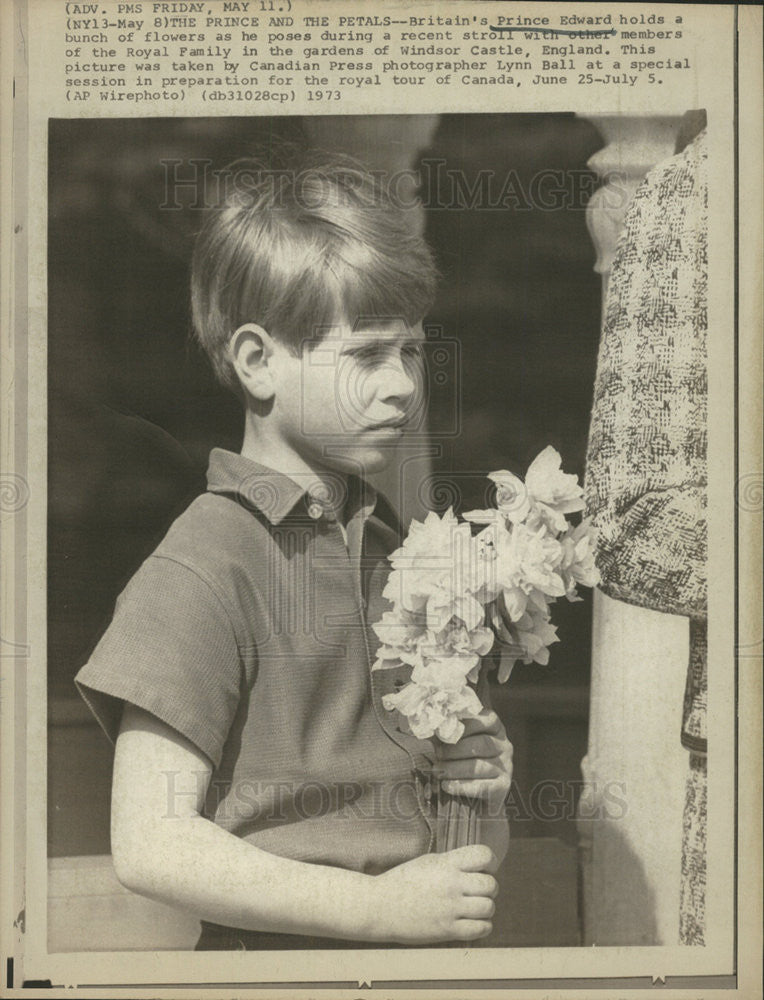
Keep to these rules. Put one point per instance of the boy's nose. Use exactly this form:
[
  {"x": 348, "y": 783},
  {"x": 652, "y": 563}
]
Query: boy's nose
[{"x": 397, "y": 381}]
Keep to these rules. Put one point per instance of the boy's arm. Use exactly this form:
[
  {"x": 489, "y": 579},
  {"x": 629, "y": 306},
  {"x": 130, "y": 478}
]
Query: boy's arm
[{"x": 164, "y": 848}]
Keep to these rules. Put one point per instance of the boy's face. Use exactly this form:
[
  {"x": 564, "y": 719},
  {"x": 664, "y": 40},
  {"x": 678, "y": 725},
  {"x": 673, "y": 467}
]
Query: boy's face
[{"x": 345, "y": 402}]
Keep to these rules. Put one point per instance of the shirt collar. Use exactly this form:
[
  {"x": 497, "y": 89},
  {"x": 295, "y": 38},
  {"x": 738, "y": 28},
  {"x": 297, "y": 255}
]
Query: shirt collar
[{"x": 275, "y": 495}]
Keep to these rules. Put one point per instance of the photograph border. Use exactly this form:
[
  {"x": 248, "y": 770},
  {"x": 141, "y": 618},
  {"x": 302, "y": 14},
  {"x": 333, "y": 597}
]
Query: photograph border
[{"x": 23, "y": 731}]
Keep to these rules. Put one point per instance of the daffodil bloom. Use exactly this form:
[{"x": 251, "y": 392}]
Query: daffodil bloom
[
  {"x": 512, "y": 499},
  {"x": 548, "y": 484},
  {"x": 578, "y": 565},
  {"x": 527, "y": 639},
  {"x": 435, "y": 702},
  {"x": 453, "y": 595},
  {"x": 399, "y": 628},
  {"x": 528, "y": 560}
]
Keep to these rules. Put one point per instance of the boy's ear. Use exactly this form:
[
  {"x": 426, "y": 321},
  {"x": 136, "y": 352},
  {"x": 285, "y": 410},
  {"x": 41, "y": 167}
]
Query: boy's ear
[{"x": 251, "y": 350}]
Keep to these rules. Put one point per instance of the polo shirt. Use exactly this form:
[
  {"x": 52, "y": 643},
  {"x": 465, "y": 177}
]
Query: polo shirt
[{"x": 247, "y": 631}]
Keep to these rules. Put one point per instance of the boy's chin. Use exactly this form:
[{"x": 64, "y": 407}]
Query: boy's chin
[
  {"x": 379, "y": 462},
  {"x": 361, "y": 460}
]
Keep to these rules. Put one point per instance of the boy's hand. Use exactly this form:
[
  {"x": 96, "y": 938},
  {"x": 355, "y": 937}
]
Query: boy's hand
[
  {"x": 479, "y": 766},
  {"x": 436, "y": 897}
]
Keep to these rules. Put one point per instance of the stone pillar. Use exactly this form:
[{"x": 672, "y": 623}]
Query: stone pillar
[
  {"x": 630, "y": 814},
  {"x": 633, "y": 145}
]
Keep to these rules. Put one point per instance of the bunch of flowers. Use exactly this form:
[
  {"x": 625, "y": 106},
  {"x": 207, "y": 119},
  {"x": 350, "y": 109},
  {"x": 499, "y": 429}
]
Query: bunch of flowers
[{"x": 456, "y": 594}]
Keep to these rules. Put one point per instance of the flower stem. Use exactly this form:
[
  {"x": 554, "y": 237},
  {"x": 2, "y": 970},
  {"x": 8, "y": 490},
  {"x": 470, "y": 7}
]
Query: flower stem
[{"x": 457, "y": 821}]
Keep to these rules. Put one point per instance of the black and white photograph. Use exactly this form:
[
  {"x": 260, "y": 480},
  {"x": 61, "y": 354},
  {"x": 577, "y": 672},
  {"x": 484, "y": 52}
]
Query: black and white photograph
[
  {"x": 375, "y": 514},
  {"x": 429, "y": 294}
]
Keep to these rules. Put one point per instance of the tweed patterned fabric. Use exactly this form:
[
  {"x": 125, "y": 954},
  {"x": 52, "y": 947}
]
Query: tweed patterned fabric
[
  {"x": 645, "y": 483},
  {"x": 695, "y": 693},
  {"x": 646, "y": 463},
  {"x": 692, "y": 902}
]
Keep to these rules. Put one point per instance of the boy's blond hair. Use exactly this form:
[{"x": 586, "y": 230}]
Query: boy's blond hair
[{"x": 303, "y": 246}]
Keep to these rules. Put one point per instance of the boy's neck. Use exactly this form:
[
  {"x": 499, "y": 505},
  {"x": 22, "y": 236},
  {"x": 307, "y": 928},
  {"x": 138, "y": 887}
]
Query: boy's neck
[{"x": 259, "y": 447}]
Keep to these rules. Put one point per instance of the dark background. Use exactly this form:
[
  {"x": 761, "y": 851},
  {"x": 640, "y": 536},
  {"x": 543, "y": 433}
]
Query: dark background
[{"x": 134, "y": 410}]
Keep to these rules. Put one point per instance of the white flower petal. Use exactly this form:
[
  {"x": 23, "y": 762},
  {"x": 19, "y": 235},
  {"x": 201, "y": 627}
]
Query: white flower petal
[
  {"x": 506, "y": 664},
  {"x": 515, "y": 601},
  {"x": 482, "y": 516},
  {"x": 450, "y": 730}
]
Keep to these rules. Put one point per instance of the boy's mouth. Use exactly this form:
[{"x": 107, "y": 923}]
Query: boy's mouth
[{"x": 395, "y": 425}]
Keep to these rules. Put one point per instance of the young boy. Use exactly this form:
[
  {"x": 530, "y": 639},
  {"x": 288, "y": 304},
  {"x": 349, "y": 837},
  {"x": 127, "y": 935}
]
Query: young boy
[{"x": 258, "y": 781}]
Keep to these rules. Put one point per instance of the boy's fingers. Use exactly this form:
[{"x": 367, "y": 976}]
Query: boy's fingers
[
  {"x": 480, "y": 884},
  {"x": 468, "y": 930},
  {"x": 467, "y": 769},
  {"x": 472, "y": 858},
  {"x": 486, "y": 722},
  {"x": 477, "y": 907},
  {"x": 478, "y": 745},
  {"x": 476, "y": 788}
]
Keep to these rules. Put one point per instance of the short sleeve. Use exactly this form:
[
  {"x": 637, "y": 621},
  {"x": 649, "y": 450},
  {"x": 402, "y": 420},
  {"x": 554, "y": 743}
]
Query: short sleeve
[{"x": 171, "y": 650}]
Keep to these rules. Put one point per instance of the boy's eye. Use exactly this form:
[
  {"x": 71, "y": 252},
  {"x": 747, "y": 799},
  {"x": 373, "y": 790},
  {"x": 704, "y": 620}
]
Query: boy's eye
[
  {"x": 412, "y": 351},
  {"x": 370, "y": 353},
  {"x": 378, "y": 353}
]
